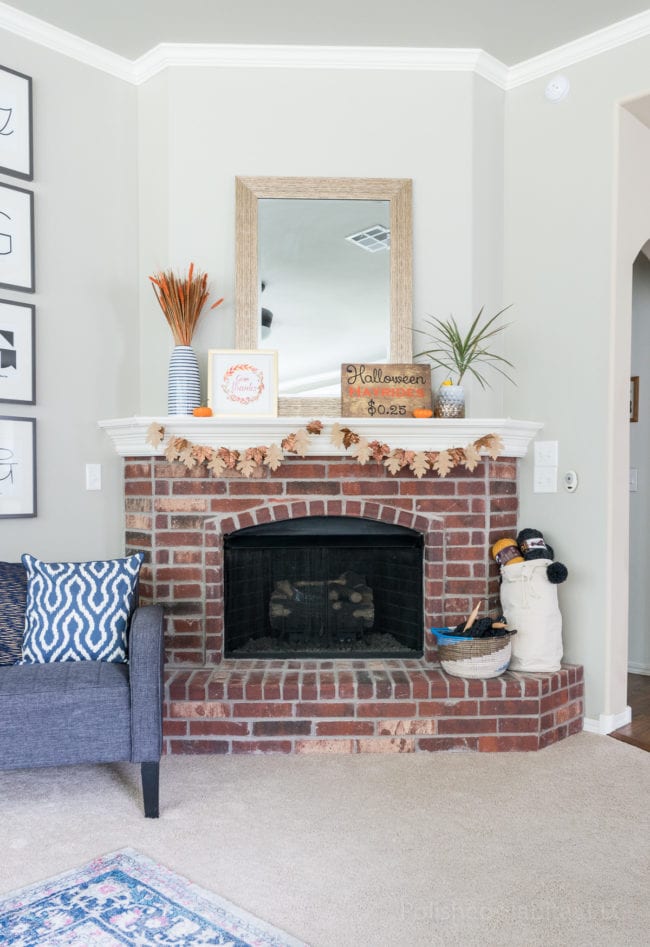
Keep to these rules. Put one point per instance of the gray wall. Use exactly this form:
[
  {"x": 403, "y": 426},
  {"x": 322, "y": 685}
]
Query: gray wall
[
  {"x": 87, "y": 327},
  {"x": 639, "y": 642},
  {"x": 219, "y": 123}
]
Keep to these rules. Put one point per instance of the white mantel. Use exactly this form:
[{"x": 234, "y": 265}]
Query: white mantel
[{"x": 129, "y": 435}]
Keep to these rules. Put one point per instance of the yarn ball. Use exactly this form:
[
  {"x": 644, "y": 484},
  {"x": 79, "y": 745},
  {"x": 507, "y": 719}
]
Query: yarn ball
[
  {"x": 557, "y": 572},
  {"x": 532, "y": 545}
]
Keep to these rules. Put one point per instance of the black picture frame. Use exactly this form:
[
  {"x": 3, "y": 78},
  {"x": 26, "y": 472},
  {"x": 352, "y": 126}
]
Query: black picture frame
[
  {"x": 17, "y": 467},
  {"x": 16, "y": 138},
  {"x": 17, "y": 352},
  {"x": 17, "y": 262}
]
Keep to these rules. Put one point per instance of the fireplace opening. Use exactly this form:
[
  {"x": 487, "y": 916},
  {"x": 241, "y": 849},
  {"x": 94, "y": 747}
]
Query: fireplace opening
[{"x": 323, "y": 586}]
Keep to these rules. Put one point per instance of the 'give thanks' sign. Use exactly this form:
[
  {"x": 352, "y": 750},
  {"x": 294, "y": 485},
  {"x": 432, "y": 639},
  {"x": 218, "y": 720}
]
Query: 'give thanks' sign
[{"x": 389, "y": 391}]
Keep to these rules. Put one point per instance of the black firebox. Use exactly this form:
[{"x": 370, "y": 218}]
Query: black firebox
[{"x": 323, "y": 587}]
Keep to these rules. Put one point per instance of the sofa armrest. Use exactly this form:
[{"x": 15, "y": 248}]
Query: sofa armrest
[{"x": 146, "y": 660}]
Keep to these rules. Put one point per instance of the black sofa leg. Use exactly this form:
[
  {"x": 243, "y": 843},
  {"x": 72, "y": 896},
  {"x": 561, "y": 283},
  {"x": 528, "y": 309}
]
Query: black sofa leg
[{"x": 150, "y": 781}]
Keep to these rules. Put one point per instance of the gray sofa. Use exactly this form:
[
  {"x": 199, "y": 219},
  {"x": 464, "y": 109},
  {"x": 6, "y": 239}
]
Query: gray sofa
[{"x": 89, "y": 711}]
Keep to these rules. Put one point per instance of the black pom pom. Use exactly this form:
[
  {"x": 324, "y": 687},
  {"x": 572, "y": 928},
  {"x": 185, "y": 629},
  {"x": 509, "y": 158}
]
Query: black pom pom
[{"x": 557, "y": 572}]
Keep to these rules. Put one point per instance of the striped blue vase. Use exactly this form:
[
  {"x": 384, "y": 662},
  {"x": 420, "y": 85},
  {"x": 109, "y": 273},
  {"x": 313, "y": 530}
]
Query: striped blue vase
[{"x": 184, "y": 382}]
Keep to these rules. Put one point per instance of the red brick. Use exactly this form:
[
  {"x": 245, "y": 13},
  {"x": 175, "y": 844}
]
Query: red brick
[
  {"x": 568, "y": 712},
  {"x": 447, "y": 708},
  {"x": 502, "y": 708},
  {"x": 316, "y": 488},
  {"x": 552, "y": 701},
  {"x": 138, "y": 488},
  {"x": 386, "y": 745},
  {"x": 301, "y": 471},
  {"x": 518, "y": 742},
  {"x": 263, "y": 709},
  {"x": 185, "y": 487},
  {"x": 467, "y": 725},
  {"x": 325, "y": 746},
  {"x": 179, "y": 538},
  {"x": 324, "y": 709},
  {"x": 262, "y": 746},
  {"x": 518, "y": 725},
  {"x": 335, "y": 728},
  {"x": 387, "y": 709},
  {"x": 198, "y": 746},
  {"x": 219, "y": 728},
  {"x": 281, "y": 728},
  {"x": 432, "y": 744},
  {"x": 174, "y": 728}
]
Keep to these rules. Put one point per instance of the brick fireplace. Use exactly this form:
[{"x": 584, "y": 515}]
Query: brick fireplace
[{"x": 179, "y": 517}]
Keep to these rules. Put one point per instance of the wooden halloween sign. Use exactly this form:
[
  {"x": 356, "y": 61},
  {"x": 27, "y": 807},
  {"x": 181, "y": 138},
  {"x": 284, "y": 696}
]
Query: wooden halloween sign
[{"x": 384, "y": 391}]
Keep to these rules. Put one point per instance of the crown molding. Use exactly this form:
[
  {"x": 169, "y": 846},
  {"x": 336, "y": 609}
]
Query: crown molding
[
  {"x": 611, "y": 37},
  {"x": 60, "y": 41},
  {"x": 318, "y": 57},
  {"x": 423, "y": 59}
]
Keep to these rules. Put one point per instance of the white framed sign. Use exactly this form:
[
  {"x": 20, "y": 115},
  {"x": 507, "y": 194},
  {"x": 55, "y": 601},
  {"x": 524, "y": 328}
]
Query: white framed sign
[
  {"x": 16, "y": 238},
  {"x": 243, "y": 382},
  {"x": 16, "y": 150},
  {"x": 17, "y": 467},
  {"x": 17, "y": 352}
]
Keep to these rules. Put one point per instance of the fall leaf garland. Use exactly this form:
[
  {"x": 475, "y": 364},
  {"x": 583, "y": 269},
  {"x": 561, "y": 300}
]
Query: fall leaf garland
[{"x": 394, "y": 459}]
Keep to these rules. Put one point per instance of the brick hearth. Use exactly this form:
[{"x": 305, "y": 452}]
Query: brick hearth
[{"x": 178, "y": 518}]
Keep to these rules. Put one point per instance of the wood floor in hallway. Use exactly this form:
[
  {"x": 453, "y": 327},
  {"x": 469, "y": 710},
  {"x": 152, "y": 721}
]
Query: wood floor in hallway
[{"x": 638, "y": 697}]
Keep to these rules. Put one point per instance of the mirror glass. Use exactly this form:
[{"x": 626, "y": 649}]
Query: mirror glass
[
  {"x": 324, "y": 268},
  {"x": 324, "y": 277}
]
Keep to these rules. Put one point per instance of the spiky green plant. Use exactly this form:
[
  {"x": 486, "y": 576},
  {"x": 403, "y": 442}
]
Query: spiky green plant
[{"x": 459, "y": 354}]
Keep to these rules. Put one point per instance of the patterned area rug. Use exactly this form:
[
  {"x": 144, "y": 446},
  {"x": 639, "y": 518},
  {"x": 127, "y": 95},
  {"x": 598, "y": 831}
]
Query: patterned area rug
[{"x": 125, "y": 898}]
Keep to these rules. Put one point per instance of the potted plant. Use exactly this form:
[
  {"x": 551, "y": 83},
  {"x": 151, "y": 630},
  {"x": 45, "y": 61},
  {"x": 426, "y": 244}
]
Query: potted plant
[{"x": 459, "y": 354}]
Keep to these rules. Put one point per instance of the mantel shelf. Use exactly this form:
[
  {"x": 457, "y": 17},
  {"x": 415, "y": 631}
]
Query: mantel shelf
[{"x": 129, "y": 435}]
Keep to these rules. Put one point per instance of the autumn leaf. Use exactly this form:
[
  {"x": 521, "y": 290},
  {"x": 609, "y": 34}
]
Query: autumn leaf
[
  {"x": 495, "y": 446},
  {"x": 274, "y": 456},
  {"x": 361, "y": 450},
  {"x": 315, "y": 427},
  {"x": 443, "y": 463},
  {"x": 379, "y": 451},
  {"x": 230, "y": 457},
  {"x": 155, "y": 433},
  {"x": 202, "y": 454},
  {"x": 186, "y": 456},
  {"x": 395, "y": 461},
  {"x": 419, "y": 464},
  {"x": 301, "y": 442},
  {"x": 337, "y": 435},
  {"x": 289, "y": 443},
  {"x": 472, "y": 457},
  {"x": 217, "y": 465},
  {"x": 349, "y": 437},
  {"x": 246, "y": 466},
  {"x": 174, "y": 448}
]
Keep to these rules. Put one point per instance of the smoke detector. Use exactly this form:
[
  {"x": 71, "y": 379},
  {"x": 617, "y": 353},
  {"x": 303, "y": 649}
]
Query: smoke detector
[{"x": 557, "y": 89}]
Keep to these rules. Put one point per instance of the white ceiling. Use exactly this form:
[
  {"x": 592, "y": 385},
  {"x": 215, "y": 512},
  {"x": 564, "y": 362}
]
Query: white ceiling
[{"x": 510, "y": 30}]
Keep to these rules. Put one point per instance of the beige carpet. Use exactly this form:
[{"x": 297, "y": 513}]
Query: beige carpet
[{"x": 546, "y": 848}]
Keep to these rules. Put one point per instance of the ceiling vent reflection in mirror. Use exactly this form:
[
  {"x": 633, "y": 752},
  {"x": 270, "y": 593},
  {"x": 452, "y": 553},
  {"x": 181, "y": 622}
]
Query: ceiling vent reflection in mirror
[{"x": 372, "y": 239}]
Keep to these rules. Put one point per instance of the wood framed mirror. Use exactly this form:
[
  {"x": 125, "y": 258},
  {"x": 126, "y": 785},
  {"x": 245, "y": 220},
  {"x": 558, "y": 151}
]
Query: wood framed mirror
[{"x": 323, "y": 275}]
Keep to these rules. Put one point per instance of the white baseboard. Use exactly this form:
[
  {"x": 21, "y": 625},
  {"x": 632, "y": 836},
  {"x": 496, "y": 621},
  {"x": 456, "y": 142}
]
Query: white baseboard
[
  {"x": 634, "y": 667},
  {"x": 607, "y": 723}
]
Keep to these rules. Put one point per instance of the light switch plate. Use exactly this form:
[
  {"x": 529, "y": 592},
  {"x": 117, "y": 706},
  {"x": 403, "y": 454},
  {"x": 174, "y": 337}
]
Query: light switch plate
[
  {"x": 545, "y": 480},
  {"x": 93, "y": 476},
  {"x": 546, "y": 453}
]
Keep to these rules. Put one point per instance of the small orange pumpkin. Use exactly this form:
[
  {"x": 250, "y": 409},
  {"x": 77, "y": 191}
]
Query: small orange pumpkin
[
  {"x": 202, "y": 412},
  {"x": 422, "y": 413}
]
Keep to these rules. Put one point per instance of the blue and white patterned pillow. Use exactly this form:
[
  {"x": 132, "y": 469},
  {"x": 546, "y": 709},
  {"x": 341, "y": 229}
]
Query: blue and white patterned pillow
[
  {"x": 13, "y": 586},
  {"x": 78, "y": 611}
]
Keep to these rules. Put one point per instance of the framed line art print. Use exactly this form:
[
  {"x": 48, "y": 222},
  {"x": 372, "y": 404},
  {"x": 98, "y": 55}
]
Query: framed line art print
[
  {"x": 243, "y": 383},
  {"x": 17, "y": 352},
  {"x": 16, "y": 148},
  {"x": 16, "y": 238},
  {"x": 17, "y": 467}
]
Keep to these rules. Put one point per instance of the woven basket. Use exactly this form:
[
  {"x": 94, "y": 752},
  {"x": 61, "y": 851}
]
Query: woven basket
[{"x": 474, "y": 657}]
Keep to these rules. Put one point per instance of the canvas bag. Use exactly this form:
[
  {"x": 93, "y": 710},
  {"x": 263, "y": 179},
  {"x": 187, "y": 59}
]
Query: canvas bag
[{"x": 529, "y": 603}]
